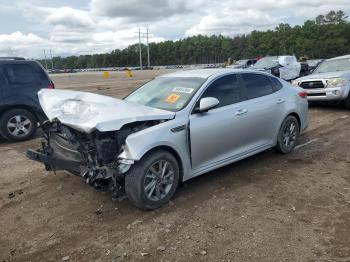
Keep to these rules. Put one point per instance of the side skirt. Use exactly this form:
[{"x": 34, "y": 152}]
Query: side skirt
[{"x": 227, "y": 161}]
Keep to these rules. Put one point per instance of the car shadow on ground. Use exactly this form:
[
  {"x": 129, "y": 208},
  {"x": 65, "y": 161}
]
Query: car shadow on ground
[
  {"x": 329, "y": 106},
  {"x": 5, "y": 142}
]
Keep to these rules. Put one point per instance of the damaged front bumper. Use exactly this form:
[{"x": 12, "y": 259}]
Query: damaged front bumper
[
  {"x": 92, "y": 156},
  {"x": 53, "y": 163}
]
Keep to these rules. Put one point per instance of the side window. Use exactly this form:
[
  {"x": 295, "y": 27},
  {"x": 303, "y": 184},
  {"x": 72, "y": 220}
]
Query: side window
[
  {"x": 276, "y": 83},
  {"x": 257, "y": 85},
  {"x": 18, "y": 74},
  {"x": 225, "y": 89}
]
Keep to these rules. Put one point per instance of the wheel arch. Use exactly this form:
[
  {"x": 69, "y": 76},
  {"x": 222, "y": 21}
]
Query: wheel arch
[
  {"x": 174, "y": 153},
  {"x": 296, "y": 115},
  {"x": 292, "y": 113},
  {"x": 14, "y": 107}
]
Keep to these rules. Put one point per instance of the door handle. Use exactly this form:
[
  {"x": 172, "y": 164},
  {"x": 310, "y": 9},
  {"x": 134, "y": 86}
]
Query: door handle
[
  {"x": 241, "y": 112},
  {"x": 280, "y": 101}
]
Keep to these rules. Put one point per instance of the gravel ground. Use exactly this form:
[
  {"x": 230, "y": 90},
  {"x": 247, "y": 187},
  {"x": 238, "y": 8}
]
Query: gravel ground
[{"x": 269, "y": 207}]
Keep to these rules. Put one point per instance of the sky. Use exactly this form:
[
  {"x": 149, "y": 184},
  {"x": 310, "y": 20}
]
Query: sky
[{"x": 77, "y": 27}]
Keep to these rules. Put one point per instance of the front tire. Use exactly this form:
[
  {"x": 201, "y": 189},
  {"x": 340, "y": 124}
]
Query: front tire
[
  {"x": 17, "y": 125},
  {"x": 288, "y": 135},
  {"x": 153, "y": 180}
]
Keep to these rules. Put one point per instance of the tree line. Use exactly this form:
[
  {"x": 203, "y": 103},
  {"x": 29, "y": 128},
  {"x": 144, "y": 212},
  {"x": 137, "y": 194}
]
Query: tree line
[{"x": 324, "y": 37}]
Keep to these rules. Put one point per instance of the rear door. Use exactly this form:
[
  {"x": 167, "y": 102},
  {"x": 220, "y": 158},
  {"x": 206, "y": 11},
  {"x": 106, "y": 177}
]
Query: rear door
[
  {"x": 24, "y": 79},
  {"x": 3, "y": 84},
  {"x": 263, "y": 103}
]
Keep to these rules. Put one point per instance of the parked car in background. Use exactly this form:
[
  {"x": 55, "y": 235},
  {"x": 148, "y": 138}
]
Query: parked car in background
[
  {"x": 244, "y": 63},
  {"x": 304, "y": 69},
  {"x": 20, "y": 111},
  {"x": 313, "y": 63},
  {"x": 330, "y": 81},
  {"x": 285, "y": 67},
  {"x": 171, "y": 129}
]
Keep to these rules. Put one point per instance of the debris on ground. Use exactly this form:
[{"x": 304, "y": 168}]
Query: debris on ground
[
  {"x": 161, "y": 248},
  {"x": 99, "y": 210},
  {"x": 14, "y": 193}
]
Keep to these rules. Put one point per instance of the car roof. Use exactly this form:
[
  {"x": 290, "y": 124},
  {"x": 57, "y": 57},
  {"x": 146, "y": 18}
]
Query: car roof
[
  {"x": 206, "y": 73},
  {"x": 17, "y": 61},
  {"x": 340, "y": 57}
]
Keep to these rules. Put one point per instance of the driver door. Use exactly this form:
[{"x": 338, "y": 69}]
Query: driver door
[{"x": 213, "y": 134}]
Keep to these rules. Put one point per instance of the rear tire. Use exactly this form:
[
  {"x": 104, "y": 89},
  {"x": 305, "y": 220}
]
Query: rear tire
[
  {"x": 17, "y": 125},
  {"x": 287, "y": 135},
  {"x": 153, "y": 180}
]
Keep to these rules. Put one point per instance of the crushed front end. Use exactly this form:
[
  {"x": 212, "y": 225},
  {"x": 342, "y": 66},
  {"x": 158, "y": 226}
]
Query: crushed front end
[{"x": 93, "y": 156}]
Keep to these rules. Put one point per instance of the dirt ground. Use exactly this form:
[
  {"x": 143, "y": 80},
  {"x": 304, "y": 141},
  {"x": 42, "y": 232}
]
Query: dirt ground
[{"x": 269, "y": 207}]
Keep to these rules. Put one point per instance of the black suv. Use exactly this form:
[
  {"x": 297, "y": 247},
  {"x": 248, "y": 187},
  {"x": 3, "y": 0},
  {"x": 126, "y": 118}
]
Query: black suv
[{"x": 20, "y": 111}]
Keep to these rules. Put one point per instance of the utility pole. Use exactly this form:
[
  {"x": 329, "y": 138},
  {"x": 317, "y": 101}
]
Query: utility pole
[
  {"x": 45, "y": 59},
  {"x": 140, "y": 48},
  {"x": 148, "y": 60},
  {"x": 51, "y": 59}
]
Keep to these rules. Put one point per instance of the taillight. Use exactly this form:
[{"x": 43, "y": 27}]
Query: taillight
[
  {"x": 302, "y": 94},
  {"x": 51, "y": 85}
]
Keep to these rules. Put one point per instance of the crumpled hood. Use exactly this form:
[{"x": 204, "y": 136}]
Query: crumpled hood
[
  {"x": 345, "y": 74},
  {"x": 87, "y": 111}
]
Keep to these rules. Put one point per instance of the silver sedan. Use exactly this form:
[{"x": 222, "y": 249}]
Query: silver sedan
[{"x": 173, "y": 128}]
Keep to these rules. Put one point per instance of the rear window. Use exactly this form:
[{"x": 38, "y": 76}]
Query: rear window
[
  {"x": 276, "y": 83},
  {"x": 18, "y": 74},
  {"x": 257, "y": 85}
]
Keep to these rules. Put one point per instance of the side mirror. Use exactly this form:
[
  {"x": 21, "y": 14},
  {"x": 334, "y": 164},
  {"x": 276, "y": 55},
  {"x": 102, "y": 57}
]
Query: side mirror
[{"x": 207, "y": 103}]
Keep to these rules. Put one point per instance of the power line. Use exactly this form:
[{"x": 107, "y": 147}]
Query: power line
[
  {"x": 140, "y": 50},
  {"x": 144, "y": 34},
  {"x": 51, "y": 59},
  {"x": 148, "y": 59},
  {"x": 45, "y": 59}
]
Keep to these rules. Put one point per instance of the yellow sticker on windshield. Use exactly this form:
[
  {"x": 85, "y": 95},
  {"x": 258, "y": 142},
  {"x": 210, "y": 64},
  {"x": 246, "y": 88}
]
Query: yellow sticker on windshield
[{"x": 172, "y": 98}]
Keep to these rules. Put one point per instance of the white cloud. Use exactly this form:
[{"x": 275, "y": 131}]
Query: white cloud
[
  {"x": 69, "y": 17},
  {"x": 136, "y": 10},
  {"x": 18, "y": 44},
  {"x": 104, "y": 25},
  {"x": 229, "y": 22}
]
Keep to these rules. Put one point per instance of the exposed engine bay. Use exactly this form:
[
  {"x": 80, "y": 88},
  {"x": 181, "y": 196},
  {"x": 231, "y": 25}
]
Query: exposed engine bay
[{"x": 93, "y": 156}]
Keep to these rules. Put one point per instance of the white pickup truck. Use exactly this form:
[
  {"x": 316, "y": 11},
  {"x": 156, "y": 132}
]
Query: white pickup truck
[
  {"x": 285, "y": 66},
  {"x": 330, "y": 81}
]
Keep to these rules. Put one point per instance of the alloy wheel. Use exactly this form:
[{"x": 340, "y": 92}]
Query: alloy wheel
[
  {"x": 19, "y": 125},
  {"x": 290, "y": 134},
  {"x": 159, "y": 180}
]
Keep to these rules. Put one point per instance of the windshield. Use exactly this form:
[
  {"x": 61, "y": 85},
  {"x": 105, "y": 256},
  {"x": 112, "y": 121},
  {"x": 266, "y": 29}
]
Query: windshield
[
  {"x": 168, "y": 93},
  {"x": 314, "y": 62},
  {"x": 241, "y": 62},
  {"x": 333, "y": 66},
  {"x": 267, "y": 62}
]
